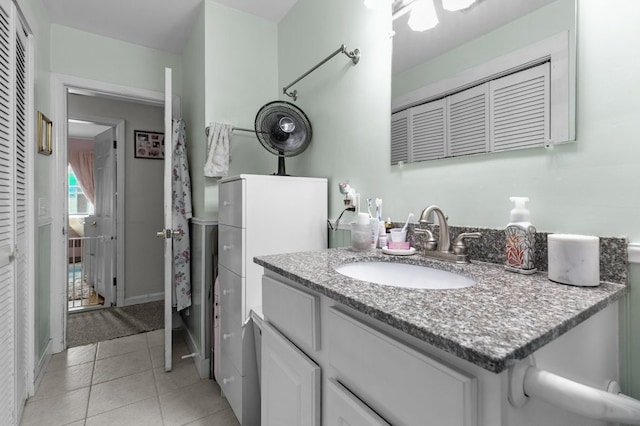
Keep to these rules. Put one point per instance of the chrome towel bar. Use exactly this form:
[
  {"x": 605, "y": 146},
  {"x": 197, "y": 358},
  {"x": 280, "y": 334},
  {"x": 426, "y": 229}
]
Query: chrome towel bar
[{"x": 354, "y": 55}]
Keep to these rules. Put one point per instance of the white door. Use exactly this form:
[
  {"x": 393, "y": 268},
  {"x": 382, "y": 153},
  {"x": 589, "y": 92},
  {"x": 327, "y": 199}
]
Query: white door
[
  {"x": 290, "y": 383},
  {"x": 105, "y": 215},
  {"x": 166, "y": 233}
]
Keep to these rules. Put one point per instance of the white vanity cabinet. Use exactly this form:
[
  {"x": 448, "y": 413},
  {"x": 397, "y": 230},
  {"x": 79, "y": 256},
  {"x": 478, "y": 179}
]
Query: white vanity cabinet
[
  {"x": 368, "y": 377},
  {"x": 374, "y": 374},
  {"x": 258, "y": 215}
]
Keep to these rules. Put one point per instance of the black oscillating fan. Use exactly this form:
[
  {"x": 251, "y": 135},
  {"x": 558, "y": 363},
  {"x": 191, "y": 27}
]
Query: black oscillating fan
[{"x": 284, "y": 130}]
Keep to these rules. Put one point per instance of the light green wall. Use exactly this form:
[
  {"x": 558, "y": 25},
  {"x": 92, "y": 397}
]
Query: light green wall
[
  {"x": 348, "y": 105},
  {"x": 42, "y": 184},
  {"x": 81, "y": 54},
  {"x": 43, "y": 292},
  {"x": 240, "y": 52},
  {"x": 193, "y": 108},
  {"x": 35, "y": 13}
]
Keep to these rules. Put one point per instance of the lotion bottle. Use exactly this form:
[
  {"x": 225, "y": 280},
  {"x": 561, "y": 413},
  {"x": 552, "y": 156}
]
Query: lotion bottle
[{"x": 520, "y": 239}]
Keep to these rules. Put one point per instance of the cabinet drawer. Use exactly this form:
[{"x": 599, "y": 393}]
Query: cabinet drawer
[
  {"x": 230, "y": 317},
  {"x": 230, "y": 199},
  {"x": 231, "y": 249},
  {"x": 344, "y": 408},
  {"x": 294, "y": 312},
  {"x": 231, "y": 385},
  {"x": 404, "y": 386}
]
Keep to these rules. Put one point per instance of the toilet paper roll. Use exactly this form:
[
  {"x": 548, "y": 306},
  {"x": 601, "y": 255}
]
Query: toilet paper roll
[{"x": 574, "y": 259}]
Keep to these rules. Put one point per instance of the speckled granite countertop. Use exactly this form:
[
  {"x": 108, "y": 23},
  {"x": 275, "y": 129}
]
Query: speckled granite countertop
[{"x": 504, "y": 318}]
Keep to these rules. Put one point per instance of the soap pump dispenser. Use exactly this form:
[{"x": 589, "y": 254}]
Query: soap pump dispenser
[{"x": 520, "y": 239}]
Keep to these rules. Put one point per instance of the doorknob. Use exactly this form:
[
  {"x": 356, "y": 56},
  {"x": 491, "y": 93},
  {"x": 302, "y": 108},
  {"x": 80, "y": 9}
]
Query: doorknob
[
  {"x": 168, "y": 233},
  {"x": 94, "y": 223}
]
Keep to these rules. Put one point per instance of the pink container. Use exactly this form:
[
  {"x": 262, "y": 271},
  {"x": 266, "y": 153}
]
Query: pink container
[{"x": 399, "y": 245}]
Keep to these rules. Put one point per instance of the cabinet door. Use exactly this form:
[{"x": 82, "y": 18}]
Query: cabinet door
[
  {"x": 290, "y": 383},
  {"x": 344, "y": 408}
]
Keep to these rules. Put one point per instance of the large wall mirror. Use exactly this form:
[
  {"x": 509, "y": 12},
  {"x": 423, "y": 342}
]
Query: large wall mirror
[{"x": 457, "y": 87}]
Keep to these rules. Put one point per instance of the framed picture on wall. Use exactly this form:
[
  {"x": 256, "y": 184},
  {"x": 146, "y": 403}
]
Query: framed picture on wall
[
  {"x": 148, "y": 144},
  {"x": 45, "y": 130}
]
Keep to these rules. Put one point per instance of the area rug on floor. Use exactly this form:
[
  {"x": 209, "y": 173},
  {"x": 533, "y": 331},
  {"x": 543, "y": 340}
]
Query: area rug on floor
[{"x": 110, "y": 323}]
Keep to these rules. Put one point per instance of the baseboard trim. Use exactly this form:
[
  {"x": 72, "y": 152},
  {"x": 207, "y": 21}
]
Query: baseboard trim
[
  {"x": 145, "y": 298},
  {"x": 41, "y": 368}
]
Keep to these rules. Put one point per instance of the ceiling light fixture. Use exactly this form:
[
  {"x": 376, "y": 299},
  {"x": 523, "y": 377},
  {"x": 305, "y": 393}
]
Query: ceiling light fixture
[
  {"x": 423, "y": 15},
  {"x": 454, "y": 5}
]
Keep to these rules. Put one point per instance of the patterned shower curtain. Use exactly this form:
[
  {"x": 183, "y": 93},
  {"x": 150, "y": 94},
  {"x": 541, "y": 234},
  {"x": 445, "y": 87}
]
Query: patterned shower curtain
[{"x": 181, "y": 207}]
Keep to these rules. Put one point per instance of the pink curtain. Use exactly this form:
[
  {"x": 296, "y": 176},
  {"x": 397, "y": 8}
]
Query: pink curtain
[{"x": 82, "y": 164}]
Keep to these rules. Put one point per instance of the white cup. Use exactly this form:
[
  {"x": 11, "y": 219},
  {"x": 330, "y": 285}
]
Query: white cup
[{"x": 398, "y": 235}]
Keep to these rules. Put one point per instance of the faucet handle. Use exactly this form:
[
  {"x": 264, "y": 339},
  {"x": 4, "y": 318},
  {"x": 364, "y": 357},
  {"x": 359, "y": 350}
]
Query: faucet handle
[
  {"x": 431, "y": 243},
  {"x": 458, "y": 245}
]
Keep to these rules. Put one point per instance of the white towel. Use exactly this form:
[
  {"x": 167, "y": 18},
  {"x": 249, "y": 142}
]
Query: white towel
[{"x": 218, "y": 151}]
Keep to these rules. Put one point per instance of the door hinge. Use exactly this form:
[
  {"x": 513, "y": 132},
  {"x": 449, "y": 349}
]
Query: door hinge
[
  {"x": 114, "y": 281},
  {"x": 115, "y": 144}
]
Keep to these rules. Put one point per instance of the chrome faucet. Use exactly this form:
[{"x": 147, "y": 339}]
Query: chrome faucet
[{"x": 443, "y": 250}]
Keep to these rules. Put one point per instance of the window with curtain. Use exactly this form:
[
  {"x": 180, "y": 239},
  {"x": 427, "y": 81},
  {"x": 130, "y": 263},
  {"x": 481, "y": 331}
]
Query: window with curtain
[{"x": 79, "y": 203}]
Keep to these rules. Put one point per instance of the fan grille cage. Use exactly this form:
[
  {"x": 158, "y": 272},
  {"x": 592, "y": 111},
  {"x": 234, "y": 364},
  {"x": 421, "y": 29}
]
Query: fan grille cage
[{"x": 276, "y": 141}]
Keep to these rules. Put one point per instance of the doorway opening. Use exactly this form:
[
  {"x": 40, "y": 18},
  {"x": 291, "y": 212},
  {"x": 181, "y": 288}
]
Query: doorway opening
[
  {"x": 91, "y": 173},
  {"x": 113, "y": 205}
]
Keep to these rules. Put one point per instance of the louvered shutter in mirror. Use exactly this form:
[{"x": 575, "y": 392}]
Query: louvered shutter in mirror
[
  {"x": 520, "y": 109},
  {"x": 428, "y": 131},
  {"x": 469, "y": 121},
  {"x": 400, "y": 137}
]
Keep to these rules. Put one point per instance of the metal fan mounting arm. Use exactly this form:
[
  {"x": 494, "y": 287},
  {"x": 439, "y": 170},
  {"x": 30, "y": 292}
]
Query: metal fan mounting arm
[{"x": 353, "y": 55}]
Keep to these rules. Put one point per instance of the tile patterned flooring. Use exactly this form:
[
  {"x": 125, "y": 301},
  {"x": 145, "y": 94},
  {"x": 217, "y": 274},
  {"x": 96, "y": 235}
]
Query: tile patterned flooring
[{"x": 123, "y": 382}]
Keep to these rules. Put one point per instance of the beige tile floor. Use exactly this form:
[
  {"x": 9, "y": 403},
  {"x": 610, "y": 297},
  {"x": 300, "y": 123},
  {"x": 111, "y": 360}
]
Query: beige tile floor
[{"x": 123, "y": 382}]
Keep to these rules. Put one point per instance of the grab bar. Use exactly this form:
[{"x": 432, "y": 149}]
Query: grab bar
[{"x": 526, "y": 381}]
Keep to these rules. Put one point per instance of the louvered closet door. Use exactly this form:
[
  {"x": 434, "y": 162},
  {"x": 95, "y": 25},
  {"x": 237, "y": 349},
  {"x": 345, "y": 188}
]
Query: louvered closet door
[
  {"x": 400, "y": 137},
  {"x": 469, "y": 121},
  {"x": 7, "y": 296},
  {"x": 428, "y": 131},
  {"x": 20, "y": 188},
  {"x": 520, "y": 109}
]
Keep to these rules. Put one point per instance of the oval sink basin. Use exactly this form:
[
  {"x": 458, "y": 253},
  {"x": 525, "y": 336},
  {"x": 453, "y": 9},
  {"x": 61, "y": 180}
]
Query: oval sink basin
[{"x": 404, "y": 275}]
